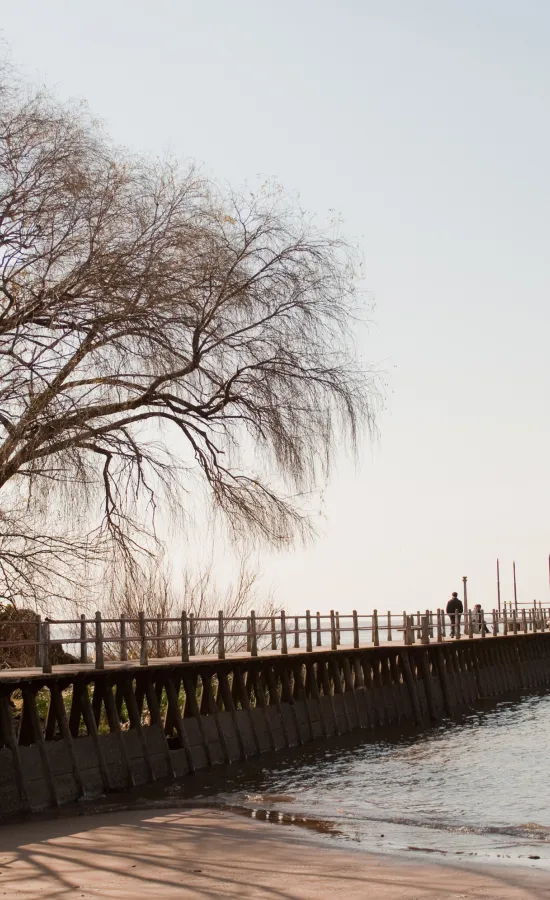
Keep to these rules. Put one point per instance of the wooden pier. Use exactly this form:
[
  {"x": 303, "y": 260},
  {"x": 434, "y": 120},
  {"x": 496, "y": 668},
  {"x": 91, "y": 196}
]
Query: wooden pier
[{"x": 121, "y": 719}]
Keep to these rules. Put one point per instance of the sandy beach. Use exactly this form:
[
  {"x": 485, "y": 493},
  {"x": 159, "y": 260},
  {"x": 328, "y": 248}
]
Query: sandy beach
[{"x": 212, "y": 853}]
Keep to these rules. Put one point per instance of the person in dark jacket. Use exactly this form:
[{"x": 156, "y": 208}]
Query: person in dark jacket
[{"x": 454, "y": 611}]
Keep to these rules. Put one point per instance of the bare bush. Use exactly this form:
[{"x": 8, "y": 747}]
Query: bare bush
[
  {"x": 200, "y": 596},
  {"x": 155, "y": 328}
]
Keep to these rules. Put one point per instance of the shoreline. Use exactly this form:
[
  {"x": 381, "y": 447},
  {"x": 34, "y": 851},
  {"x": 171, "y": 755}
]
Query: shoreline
[
  {"x": 204, "y": 852},
  {"x": 401, "y": 838}
]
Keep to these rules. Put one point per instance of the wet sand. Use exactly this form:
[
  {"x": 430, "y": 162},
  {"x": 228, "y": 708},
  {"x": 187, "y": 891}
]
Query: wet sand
[{"x": 206, "y": 854}]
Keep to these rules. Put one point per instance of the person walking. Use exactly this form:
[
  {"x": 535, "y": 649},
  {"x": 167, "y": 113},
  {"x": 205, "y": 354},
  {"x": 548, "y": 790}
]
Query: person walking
[
  {"x": 454, "y": 611},
  {"x": 478, "y": 622}
]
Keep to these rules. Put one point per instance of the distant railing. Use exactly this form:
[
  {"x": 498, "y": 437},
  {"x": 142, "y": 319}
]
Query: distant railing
[
  {"x": 101, "y": 640},
  {"x": 510, "y": 605}
]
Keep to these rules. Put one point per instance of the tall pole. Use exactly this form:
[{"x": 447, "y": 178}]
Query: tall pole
[
  {"x": 498, "y": 582},
  {"x": 515, "y": 588},
  {"x": 464, "y": 580}
]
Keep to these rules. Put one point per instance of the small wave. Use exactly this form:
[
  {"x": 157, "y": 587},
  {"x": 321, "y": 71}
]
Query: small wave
[
  {"x": 530, "y": 830},
  {"x": 527, "y": 831},
  {"x": 321, "y": 826}
]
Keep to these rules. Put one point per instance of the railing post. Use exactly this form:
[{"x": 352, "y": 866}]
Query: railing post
[
  {"x": 296, "y": 631},
  {"x": 542, "y": 622},
  {"x": 38, "y": 650},
  {"x": 248, "y": 635},
  {"x": 123, "y": 644},
  {"x": 457, "y": 625},
  {"x": 338, "y": 635},
  {"x": 319, "y": 641},
  {"x": 443, "y": 627},
  {"x": 505, "y": 623},
  {"x": 309, "y": 640},
  {"x": 375, "y": 637},
  {"x": 333, "y": 641},
  {"x": 524, "y": 621},
  {"x": 46, "y": 651},
  {"x": 254, "y": 646},
  {"x": 515, "y": 621},
  {"x": 483, "y": 627},
  {"x": 99, "y": 660},
  {"x": 284, "y": 645},
  {"x": 470, "y": 625},
  {"x": 159, "y": 632},
  {"x": 425, "y": 633},
  {"x": 192, "y": 629},
  {"x": 83, "y": 641},
  {"x": 184, "y": 637},
  {"x": 534, "y": 622},
  {"x": 410, "y": 630},
  {"x": 273, "y": 633},
  {"x": 355, "y": 630},
  {"x": 221, "y": 636},
  {"x": 439, "y": 632},
  {"x": 389, "y": 626},
  {"x": 430, "y": 634},
  {"x": 495, "y": 623},
  {"x": 143, "y": 660}
]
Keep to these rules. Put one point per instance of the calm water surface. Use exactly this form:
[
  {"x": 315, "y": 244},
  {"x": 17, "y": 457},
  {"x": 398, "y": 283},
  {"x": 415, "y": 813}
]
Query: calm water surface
[{"x": 478, "y": 786}]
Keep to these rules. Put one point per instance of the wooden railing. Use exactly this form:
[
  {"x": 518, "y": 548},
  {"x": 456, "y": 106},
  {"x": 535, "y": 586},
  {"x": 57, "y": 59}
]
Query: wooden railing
[{"x": 102, "y": 640}]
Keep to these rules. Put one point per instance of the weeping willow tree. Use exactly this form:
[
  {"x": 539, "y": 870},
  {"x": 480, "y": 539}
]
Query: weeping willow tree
[{"x": 157, "y": 332}]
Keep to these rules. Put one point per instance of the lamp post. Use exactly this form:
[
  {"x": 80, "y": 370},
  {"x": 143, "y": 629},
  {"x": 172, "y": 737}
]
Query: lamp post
[{"x": 464, "y": 580}]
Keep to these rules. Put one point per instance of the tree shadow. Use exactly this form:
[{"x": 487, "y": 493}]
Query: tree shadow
[{"x": 207, "y": 854}]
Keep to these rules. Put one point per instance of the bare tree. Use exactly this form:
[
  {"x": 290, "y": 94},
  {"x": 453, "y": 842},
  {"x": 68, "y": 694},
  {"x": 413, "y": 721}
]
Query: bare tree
[{"x": 154, "y": 327}]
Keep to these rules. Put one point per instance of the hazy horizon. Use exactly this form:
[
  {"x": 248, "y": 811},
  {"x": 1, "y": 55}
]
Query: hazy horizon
[{"x": 424, "y": 126}]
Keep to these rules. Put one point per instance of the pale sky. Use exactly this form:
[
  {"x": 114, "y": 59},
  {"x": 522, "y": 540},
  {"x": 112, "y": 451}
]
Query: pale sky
[{"x": 425, "y": 125}]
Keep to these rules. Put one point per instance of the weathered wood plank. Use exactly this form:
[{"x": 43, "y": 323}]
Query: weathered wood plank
[
  {"x": 8, "y": 737},
  {"x": 29, "y": 701}
]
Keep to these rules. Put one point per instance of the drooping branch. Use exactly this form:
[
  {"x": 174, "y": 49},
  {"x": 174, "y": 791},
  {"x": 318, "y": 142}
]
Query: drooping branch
[{"x": 152, "y": 325}]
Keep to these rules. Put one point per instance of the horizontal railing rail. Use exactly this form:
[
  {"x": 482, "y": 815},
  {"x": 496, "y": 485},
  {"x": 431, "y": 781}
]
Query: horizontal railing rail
[
  {"x": 510, "y": 605},
  {"x": 138, "y": 638}
]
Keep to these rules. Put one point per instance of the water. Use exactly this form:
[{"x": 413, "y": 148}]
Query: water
[{"x": 476, "y": 787}]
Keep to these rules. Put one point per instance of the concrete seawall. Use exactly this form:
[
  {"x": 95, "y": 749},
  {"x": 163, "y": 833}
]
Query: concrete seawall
[{"x": 65, "y": 736}]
